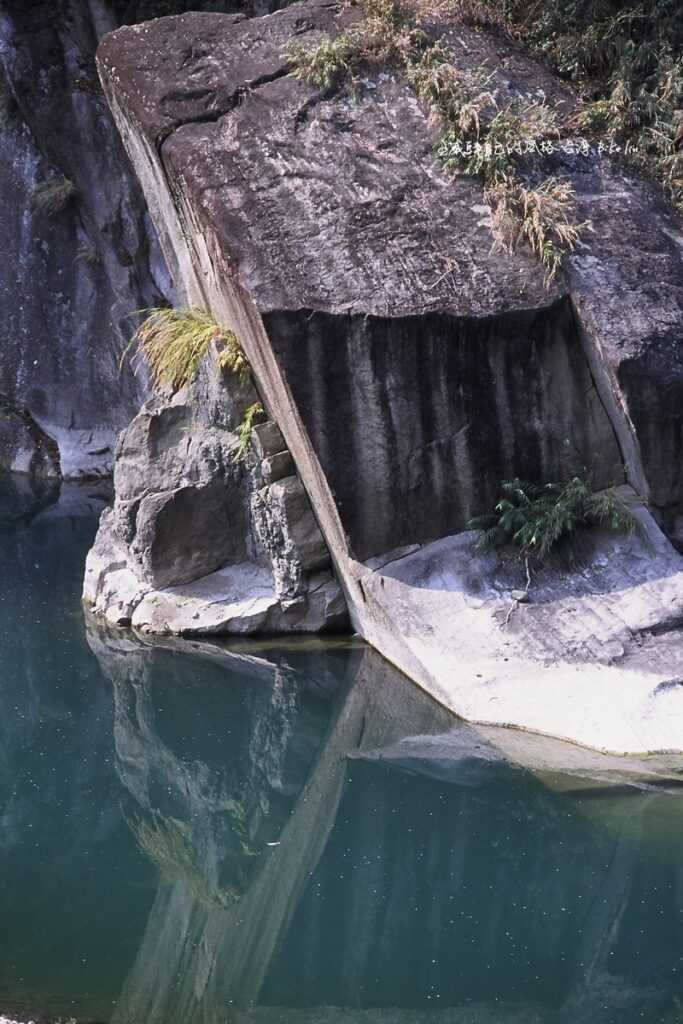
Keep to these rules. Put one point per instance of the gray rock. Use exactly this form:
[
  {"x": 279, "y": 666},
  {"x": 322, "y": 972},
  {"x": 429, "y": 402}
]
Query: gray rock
[
  {"x": 275, "y": 467},
  {"x": 189, "y": 532},
  {"x": 267, "y": 439},
  {"x": 70, "y": 281},
  {"x": 25, "y": 446},
  {"x": 409, "y": 371},
  {"x": 595, "y": 658},
  {"x": 292, "y": 510},
  {"x": 195, "y": 543},
  {"x": 238, "y": 600}
]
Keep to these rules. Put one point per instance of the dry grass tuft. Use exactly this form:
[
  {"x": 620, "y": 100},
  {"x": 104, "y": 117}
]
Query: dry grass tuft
[
  {"x": 173, "y": 343},
  {"x": 541, "y": 216},
  {"x": 324, "y": 64},
  {"x": 480, "y": 137}
]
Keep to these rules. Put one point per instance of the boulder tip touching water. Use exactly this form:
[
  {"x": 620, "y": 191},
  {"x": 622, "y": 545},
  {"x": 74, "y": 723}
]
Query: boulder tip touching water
[{"x": 410, "y": 369}]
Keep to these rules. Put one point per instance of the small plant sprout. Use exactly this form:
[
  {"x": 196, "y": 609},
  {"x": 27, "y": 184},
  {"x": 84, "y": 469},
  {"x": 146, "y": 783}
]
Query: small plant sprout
[
  {"x": 241, "y": 448},
  {"x": 173, "y": 343},
  {"x": 323, "y": 64},
  {"x": 536, "y": 518},
  {"x": 53, "y": 197}
]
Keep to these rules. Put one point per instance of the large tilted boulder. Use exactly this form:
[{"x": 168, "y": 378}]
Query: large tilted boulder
[{"x": 410, "y": 367}]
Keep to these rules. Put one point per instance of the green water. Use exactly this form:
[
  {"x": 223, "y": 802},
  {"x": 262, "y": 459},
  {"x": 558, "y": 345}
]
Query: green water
[{"x": 197, "y": 834}]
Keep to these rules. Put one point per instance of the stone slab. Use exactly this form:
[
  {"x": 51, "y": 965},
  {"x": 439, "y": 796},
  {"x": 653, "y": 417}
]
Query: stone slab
[{"x": 594, "y": 657}]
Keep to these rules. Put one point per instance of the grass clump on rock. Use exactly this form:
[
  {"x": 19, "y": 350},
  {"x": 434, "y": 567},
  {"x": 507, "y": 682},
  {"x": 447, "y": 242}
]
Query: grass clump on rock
[
  {"x": 541, "y": 216},
  {"x": 253, "y": 413},
  {"x": 53, "y": 197},
  {"x": 325, "y": 64},
  {"x": 626, "y": 61},
  {"x": 480, "y": 137},
  {"x": 173, "y": 343},
  {"x": 538, "y": 518}
]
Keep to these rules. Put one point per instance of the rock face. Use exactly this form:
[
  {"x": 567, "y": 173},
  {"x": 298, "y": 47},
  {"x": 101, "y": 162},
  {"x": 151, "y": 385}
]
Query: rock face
[
  {"x": 70, "y": 278},
  {"x": 593, "y": 654},
  {"x": 416, "y": 425},
  {"x": 200, "y": 541},
  {"x": 408, "y": 366}
]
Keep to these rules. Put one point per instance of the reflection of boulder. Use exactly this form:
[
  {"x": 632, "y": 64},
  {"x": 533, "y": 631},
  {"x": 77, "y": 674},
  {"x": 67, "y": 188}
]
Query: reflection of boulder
[
  {"x": 23, "y": 497},
  {"x": 495, "y": 889},
  {"x": 482, "y": 1013},
  {"x": 425, "y": 864},
  {"x": 205, "y": 807},
  {"x": 202, "y": 950}
]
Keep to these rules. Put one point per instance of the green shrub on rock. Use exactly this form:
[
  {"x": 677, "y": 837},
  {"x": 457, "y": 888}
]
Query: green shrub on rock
[{"x": 537, "y": 518}]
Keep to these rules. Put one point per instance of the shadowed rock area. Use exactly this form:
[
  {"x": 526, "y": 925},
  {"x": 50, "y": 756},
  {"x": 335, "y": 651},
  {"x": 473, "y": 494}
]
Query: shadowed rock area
[
  {"x": 74, "y": 272},
  {"x": 409, "y": 367}
]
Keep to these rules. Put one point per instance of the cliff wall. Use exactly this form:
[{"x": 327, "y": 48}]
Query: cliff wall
[{"x": 73, "y": 274}]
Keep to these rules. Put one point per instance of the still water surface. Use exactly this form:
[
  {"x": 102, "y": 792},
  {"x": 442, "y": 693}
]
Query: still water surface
[{"x": 196, "y": 835}]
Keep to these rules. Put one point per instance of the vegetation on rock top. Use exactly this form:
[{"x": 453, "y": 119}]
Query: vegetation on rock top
[
  {"x": 173, "y": 343},
  {"x": 481, "y": 135},
  {"x": 626, "y": 62}
]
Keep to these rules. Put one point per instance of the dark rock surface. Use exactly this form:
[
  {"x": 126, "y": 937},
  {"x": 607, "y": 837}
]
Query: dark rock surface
[
  {"x": 69, "y": 280},
  {"x": 416, "y": 422}
]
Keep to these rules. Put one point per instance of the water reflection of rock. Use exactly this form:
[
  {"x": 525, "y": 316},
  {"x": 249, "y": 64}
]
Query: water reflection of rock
[{"x": 247, "y": 933}]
